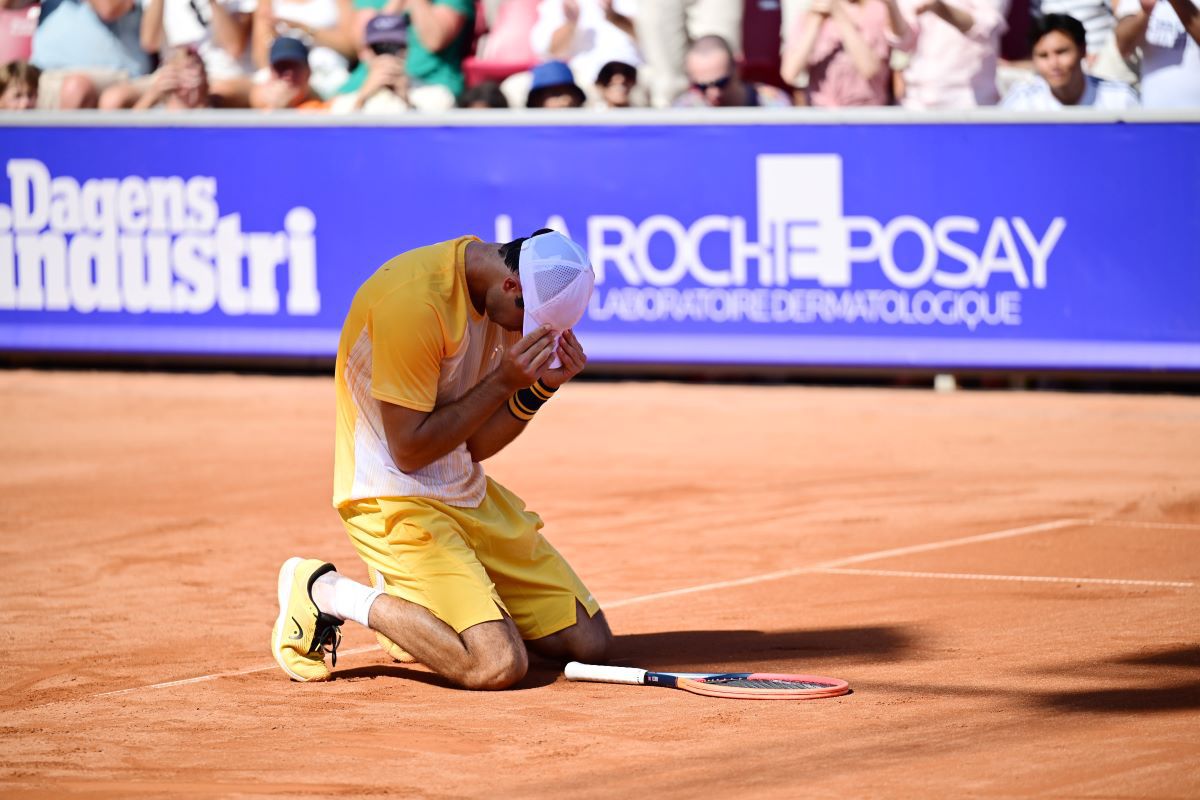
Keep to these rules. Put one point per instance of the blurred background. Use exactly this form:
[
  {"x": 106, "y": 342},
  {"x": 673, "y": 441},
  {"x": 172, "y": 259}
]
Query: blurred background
[{"x": 972, "y": 192}]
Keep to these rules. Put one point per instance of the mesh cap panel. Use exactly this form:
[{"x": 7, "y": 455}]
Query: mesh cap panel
[{"x": 550, "y": 281}]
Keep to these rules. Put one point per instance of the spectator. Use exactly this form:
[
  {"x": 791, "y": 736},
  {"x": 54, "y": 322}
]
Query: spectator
[
  {"x": 485, "y": 95},
  {"x": 180, "y": 84},
  {"x": 844, "y": 47},
  {"x": 1096, "y": 16},
  {"x": 586, "y": 34},
  {"x": 325, "y": 26},
  {"x": 554, "y": 87},
  {"x": 440, "y": 34},
  {"x": 665, "y": 29},
  {"x": 19, "y": 86},
  {"x": 1059, "y": 48},
  {"x": 218, "y": 30},
  {"x": 385, "y": 89},
  {"x": 508, "y": 39},
  {"x": 1168, "y": 32},
  {"x": 1103, "y": 60},
  {"x": 83, "y": 47},
  {"x": 957, "y": 46},
  {"x": 290, "y": 83},
  {"x": 615, "y": 85},
  {"x": 714, "y": 79}
]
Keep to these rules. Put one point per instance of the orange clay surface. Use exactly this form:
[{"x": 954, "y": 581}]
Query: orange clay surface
[{"x": 146, "y": 515}]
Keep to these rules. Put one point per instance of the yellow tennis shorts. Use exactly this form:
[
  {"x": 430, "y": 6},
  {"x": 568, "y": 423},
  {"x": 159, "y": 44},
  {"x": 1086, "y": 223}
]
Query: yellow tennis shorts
[{"x": 466, "y": 565}]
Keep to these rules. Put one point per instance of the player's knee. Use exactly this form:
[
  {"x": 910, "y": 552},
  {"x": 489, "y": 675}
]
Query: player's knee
[
  {"x": 594, "y": 644},
  {"x": 497, "y": 669}
]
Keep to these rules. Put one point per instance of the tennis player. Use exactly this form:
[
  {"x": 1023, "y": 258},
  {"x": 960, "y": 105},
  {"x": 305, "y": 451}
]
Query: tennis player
[{"x": 433, "y": 376}]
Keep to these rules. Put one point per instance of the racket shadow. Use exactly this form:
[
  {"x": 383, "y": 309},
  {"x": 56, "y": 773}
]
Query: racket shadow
[{"x": 784, "y": 651}]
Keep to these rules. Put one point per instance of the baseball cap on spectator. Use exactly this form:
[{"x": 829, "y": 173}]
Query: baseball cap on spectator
[
  {"x": 388, "y": 30},
  {"x": 550, "y": 76},
  {"x": 285, "y": 48},
  {"x": 556, "y": 284}
]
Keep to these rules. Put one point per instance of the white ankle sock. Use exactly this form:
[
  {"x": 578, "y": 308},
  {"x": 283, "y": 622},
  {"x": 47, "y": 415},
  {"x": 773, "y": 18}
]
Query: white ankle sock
[{"x": 343, "y": 598}]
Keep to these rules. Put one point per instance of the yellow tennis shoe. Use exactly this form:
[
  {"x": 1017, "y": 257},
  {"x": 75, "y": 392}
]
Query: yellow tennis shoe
[{"x": 303, "y": 632}]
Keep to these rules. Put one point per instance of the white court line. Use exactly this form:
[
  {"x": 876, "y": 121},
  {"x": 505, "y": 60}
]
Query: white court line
[
  {"x": 747, "y": 581},
  {"x": 968, "y": 576},
  {"x": 1168, "y": 526},
  {"x": 841, "y": 562}
]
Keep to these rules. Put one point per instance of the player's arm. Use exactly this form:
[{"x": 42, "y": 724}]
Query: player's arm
[
  {"x": 502, "y": 426},
  {"x": 418, "y": 438}
]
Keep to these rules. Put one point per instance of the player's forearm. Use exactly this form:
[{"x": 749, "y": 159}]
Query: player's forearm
[
  {"x": 448, "y": 426},
  {"x": 495, "y": 434}
]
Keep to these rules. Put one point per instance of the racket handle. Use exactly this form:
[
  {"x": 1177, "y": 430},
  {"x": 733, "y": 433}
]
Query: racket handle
[{"x": 594, "y": 672}]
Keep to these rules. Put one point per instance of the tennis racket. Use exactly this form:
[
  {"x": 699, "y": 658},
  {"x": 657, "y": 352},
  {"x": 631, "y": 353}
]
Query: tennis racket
[{"x": 743, "y": 685}]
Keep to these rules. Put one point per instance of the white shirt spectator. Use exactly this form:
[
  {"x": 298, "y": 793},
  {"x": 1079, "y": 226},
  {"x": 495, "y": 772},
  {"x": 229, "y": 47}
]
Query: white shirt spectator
[
  {"x": 1035, "y": 95},
  {"x": 597, "y": 41},
  {"x": 189, "y": 23},
  {"x": 1170, "y": 58}
]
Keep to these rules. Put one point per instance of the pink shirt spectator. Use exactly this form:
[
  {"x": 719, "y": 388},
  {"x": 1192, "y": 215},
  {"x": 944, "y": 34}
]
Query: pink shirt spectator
[
  {"x": 950, "y": 69},
  {"x": 833, "y": 80}
]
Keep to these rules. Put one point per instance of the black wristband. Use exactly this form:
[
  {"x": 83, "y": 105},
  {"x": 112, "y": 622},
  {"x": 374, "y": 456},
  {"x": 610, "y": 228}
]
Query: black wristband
[{"x": 526, "y": 402}]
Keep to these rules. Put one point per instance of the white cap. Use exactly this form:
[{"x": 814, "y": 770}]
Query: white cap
[{"x": 556, "y": 284}]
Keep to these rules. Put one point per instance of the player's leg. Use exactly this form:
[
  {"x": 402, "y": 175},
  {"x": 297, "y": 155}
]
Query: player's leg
[
  {"x": 588, "y": 640},
  {"x": 489, "y": 655},
  {"x": 552, "y": 608},
  {"x": 315, "y": 600}
]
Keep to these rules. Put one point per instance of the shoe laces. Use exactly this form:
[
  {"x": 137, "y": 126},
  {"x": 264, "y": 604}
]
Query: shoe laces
[{"x": 328, "y": 636}]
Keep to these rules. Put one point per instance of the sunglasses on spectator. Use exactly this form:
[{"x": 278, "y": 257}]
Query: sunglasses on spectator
[
  {"x": 387, "y": 48},
  {"x": 719, "y": 83}
]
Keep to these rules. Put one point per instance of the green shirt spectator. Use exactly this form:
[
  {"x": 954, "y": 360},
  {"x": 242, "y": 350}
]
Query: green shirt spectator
[
  {"x": 440, "y": 34},
  {"x": 355, "y": 81}
]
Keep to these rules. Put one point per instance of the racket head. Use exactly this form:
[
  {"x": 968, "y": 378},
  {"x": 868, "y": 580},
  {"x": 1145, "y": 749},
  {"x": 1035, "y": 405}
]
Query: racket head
[{"x": 764, "y": 686}]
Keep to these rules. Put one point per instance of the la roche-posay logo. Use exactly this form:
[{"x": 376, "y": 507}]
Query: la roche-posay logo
[
  {"x": 146, "y": 244},
  {"x": 800, "y": 264}
]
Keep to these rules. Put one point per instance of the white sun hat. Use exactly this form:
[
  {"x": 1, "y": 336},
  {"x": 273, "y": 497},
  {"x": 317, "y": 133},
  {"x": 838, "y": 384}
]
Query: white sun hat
[{"x": 556, "y": 283}]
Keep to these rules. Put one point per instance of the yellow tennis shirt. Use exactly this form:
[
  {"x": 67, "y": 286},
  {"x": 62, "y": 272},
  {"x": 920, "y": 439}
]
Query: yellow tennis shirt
[{"x": 413, "y": 338}]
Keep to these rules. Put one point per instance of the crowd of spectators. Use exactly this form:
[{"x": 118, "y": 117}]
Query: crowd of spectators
[{"x": 390, "y": 56}]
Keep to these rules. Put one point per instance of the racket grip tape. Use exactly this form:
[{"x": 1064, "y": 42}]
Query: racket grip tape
[{"x": 595, "y": 672}]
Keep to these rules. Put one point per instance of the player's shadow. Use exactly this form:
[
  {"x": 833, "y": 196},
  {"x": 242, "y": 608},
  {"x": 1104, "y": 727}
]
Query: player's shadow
[
  {"x": 733, "y": 650},
  {"x": 1163, "y": 680},
  {"x": 541, "y": 673}
]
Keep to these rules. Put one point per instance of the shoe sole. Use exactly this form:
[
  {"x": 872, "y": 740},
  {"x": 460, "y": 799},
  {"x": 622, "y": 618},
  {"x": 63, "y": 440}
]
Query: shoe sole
[{"x": 287, "y": 575}]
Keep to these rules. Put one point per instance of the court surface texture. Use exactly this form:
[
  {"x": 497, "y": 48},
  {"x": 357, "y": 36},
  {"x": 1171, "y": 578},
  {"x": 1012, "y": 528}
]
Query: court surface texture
[{"x": 1009, "y": 581}]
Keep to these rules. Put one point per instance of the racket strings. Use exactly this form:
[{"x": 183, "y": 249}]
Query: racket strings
[{"x": 763, "y": 683}]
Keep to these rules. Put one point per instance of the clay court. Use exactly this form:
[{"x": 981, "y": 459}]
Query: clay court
[{"x": 1009, "y": 581}]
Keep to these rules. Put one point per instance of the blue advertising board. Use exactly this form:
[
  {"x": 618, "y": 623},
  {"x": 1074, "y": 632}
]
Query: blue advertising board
[{"x": 988, "y": 245}]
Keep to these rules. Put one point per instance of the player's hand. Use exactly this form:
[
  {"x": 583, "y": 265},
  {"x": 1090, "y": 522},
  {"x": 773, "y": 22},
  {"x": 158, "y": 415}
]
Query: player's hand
[
  {"x": 1148, "y": 6},
  {"x": 526, "y": 360},
  {"x": 573, "y": 359},
  {"x": 571, "y": 11}
]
